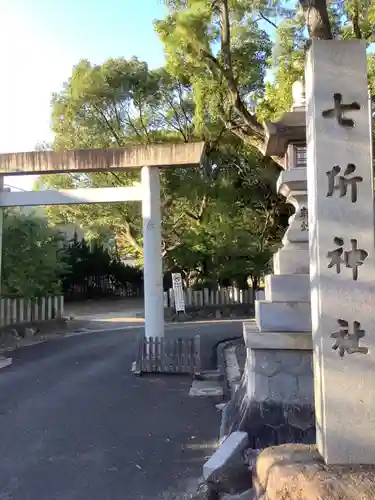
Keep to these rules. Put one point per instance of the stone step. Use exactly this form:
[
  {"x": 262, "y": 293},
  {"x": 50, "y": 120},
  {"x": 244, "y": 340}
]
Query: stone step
[
  {"x": 211, "y": 375},
  {"x": 283, "y": 316},
  {"x": 206, "y": 388},
  {"x": 276, "y": 340},
  {"x": 287, "y": 287},
  {"x": 293, "y": 261}
]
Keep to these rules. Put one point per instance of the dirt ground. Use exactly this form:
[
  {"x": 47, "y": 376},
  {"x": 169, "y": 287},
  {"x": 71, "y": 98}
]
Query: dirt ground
[{"x": 103, "y": 306}]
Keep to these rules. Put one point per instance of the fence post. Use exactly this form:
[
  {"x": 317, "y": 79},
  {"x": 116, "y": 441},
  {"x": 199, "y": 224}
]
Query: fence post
[
  {"x": 43, "y": 308},
  {"x": 49, "y": 308},
  {"x": 197, "y": 355},
  {"x": 36, "y": 310},
  {"x": 21, "y": 309},
  {"x": 189, "y": 297},
  {"x": 61, "y": 307},
  {"x": 14, "y": 311},
  {"x": 206, "y": 296},
  {"x": 2, "y": 312},
  {"x": 171, "y": 297},
  {"x": 28, "y": 310},
  {"x": 55, "y": 307}
]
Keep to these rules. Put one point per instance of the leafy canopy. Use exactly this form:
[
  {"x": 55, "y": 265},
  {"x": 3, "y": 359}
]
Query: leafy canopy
[{"x": 32, "y": 258}]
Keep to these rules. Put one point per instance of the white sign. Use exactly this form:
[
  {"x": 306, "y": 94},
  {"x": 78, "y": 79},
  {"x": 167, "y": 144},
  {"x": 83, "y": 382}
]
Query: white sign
[{"x": 178, "y": 291}]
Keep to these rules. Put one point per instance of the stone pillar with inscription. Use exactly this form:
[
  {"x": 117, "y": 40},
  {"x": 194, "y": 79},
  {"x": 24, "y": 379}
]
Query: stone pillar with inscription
[{"x": 342, "y": 267}]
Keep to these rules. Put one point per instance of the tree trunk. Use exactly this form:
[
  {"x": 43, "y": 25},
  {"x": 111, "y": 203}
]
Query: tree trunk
[{"x": 317, "y": 20}]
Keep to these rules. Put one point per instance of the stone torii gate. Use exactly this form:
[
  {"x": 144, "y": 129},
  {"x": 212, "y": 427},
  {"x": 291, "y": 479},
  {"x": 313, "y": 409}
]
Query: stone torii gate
[{"x": 149, "y": 158}]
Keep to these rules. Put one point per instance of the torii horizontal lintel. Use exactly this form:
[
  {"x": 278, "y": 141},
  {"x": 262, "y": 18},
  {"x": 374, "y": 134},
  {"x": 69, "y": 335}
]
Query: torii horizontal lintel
[
  {"x": 70, "y": 196},
  {"x": 81, "y": 160}
]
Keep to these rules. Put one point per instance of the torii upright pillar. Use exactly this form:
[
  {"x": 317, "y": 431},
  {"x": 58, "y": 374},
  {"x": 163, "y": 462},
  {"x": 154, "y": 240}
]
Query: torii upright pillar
[{"x": 152, "y": 253}]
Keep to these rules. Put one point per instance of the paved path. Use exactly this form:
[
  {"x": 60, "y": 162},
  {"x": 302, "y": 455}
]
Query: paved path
[{"x": 77, "y": 425}]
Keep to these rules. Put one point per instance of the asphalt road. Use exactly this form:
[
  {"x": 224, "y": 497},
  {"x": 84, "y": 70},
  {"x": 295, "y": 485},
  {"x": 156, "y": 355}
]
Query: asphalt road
[{"x": 76, "y": 424}]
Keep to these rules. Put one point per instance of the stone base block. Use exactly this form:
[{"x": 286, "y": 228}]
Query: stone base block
[
  {"x": 268, "y": 423},
  {"x": 291, "y": 261},
  {"x": 287, "y": 287},
  {"x": 254, "y": 339},
  {"x": 280, "y": 376},
  {"x": 275, "y": 399},
  {"x": 297, "y": 472},
  {"x": 283, "y": 316}
]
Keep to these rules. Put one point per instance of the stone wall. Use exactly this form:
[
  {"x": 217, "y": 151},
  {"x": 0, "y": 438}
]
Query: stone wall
[
  {"x": 280, "y": 375},
  {"x": 281, "y": 397},
  {"x": 194, "y": 313},
  {"x": 274, "y": 403}
]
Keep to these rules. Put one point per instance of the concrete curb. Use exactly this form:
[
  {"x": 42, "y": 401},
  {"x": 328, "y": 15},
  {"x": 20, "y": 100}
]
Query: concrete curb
[
  {"x": 229, "y": 452},
  {"x": 232, "y": 367},
  {"x": 223, "y": 359},
  {"x": 4, "y": 362},
  {"x": 59, "y": 334}
]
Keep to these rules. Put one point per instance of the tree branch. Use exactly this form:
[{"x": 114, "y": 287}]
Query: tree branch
[
  {"x": 355, "y": 21},
  {"x": 249, "y": 119},
  {"x": 267, "y": 20},
  {"x": 202, "y": 207},
  {"x": 130, "y": 238},
  {"x": 142, "y": 122},
  {"x": 112, "y": 130}
]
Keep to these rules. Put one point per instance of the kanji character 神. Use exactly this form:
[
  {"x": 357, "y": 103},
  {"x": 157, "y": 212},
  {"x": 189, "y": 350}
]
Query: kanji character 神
[
  {"x": 335, "y": 255},
  {"x": 351, "y": 258}
]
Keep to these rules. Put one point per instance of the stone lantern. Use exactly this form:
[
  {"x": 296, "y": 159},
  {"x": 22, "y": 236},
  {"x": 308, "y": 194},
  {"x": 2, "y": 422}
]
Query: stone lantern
[
  {"x": 287, "y": 292},
  {"x": 278, "y": 384}
]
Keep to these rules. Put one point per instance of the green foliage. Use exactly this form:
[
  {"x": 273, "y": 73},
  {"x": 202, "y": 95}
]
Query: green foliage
[
  {"x": 206, "y": 217},
  {"x": 32, "y": 256},
  {"x": 227, "y": 48},
  {"x": 221, "y": 51},
  {"x": 93, "y": 270}
]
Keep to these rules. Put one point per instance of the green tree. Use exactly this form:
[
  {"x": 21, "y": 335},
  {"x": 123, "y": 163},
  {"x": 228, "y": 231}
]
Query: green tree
[
  {"x": 114, "y": 104},
  {"x": 93, "y": 270},
  {"x": 32, "y": 257},
  {"x": 225, "y": 48},
  {"x": 121, "y": 102}
]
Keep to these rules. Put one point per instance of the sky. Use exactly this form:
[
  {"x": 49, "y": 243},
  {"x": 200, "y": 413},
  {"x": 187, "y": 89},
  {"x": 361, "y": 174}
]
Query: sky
[{"x": 40, "y": 42}]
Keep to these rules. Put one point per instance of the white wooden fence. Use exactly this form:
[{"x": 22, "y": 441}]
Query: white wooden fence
[
  {"x": 18, "y": 310},
  {"x": 207, "y": 297}
]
